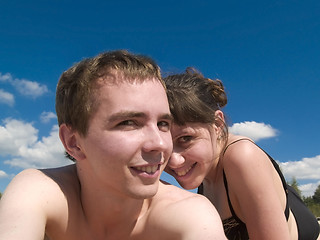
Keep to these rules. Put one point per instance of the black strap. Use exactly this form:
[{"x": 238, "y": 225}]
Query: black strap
[
  {"x": 200, "y": 189},
  {"x": 229, "y": 201},
  {"x": 277, "y": 168}
]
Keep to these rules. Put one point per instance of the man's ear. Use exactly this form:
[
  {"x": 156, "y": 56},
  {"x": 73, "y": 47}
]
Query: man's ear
[{"x": 69, "y": 139}]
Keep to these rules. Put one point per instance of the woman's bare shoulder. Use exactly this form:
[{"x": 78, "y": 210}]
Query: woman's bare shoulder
[{"x": 241, "y": 151}]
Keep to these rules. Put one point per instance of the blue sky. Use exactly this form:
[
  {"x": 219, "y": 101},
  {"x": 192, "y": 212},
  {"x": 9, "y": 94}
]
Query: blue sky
[{"x": 267, "y": 53}]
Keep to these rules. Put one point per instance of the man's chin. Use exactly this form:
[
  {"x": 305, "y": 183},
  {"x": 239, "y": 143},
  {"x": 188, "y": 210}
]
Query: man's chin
[{"x": 145, "y": 191}]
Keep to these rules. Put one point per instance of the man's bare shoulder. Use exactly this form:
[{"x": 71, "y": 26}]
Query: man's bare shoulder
[
  {"x": 172, "y": 195},
  {"x": 35, "y": 180},
  {"x": 29, "y": 181},
  {"x": 65, "y": 177},
  {"x": 32, "y": 199},
  {"x": 170, "y": 192},
  {"x": 37, "y": 187},
  {"x": 192, "y": 214}
]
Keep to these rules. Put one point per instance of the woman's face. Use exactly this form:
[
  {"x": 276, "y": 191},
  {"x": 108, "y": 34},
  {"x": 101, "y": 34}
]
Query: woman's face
[{"x": 194, "y": 153}]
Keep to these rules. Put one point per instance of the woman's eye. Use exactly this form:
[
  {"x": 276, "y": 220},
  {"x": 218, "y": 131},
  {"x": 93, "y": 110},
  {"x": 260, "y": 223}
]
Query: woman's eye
[{"x": 185, "y": 139}]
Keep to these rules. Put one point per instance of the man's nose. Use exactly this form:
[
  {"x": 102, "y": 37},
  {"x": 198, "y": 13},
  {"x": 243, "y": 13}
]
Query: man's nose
[{"x": 157, "y": 140}]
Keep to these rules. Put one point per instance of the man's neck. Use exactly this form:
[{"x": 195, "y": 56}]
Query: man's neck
[{"x": 110, "y": 214}]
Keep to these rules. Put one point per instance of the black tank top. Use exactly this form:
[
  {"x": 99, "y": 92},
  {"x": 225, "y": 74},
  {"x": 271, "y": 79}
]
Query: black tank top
[
  {"x": 307, "y": 224},
  {"x": 234, "y": 228}
]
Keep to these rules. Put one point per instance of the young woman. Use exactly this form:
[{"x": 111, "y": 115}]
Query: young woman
[{"x": 243, "y": 182}]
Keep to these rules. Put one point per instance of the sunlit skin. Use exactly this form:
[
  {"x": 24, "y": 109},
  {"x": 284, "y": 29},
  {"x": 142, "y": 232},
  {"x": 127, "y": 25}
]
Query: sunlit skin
[
  {"x": 128, "y": 141},
  {"x": 239, "y": 178},
  {"x": 113, "y": 190},
  {"x": 196, "y": 159},
  {"x": 194, "y": 151}
]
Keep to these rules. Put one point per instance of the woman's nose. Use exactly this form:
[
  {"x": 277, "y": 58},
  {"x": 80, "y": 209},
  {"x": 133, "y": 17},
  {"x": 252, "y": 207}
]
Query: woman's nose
[{"x": 176, "y": 160}]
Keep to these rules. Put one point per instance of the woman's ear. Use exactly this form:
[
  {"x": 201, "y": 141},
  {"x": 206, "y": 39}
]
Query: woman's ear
[
  {"x": 69, "y": 139},
  {"x": 219, "y": 123},
  {"x": 219, "y": 115}
]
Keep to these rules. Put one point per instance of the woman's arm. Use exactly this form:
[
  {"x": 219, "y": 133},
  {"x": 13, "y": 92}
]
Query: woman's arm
[{"x": 256, "y": 191}]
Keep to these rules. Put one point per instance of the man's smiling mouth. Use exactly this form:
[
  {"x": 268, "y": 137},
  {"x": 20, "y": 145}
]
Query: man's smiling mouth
[{"x": 148, "y": 169}]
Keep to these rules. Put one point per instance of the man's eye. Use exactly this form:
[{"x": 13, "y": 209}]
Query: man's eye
[
  {"x": 126, "y": 123},
  {"x": 164, "y": 126}
]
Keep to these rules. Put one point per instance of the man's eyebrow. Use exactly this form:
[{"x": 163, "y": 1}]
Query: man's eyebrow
[
  {"x": 129, "y": 114},
  {"x": 167, "y": 117},
  {"x": 125, "y": 114}
]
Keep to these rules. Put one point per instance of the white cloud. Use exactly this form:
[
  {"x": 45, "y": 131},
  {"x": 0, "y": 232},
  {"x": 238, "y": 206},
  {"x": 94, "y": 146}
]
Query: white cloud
[
  {"x": 305, "y": 169},
  {"x": 15, "y": 134},
  {"x": 25, "y": 87},
  {"x": 253, "y": 130},
  {"x": 308, "y": 190},
  {"x": 29, "y": 88},
  {"x": 3, "y": 174},
  {"x": 6, "y": 98},
  {"x": 5, "y": 78},
  {"x": 19, "y": 141},
  {"x": 45, "y": 117}
]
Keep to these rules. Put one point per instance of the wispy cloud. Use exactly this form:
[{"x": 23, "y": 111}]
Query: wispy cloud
[
  {"x": 24, "y": 87},
  {"x": 45, "y": 117},
  {"x": 6, "y": 98},
  {"x": 29, "y": 88},
  {"x": 19, "y": 143},
  {"x": 255, "y": 131},
  {"x": 5, "y": 77},
  {"x": 3, "y": 174}
]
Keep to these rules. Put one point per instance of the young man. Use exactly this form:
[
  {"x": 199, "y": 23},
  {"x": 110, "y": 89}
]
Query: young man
[{"x": 114, "y": 123}]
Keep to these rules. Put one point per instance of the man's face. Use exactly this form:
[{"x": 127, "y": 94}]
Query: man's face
[{"x": 128, "y": 141}]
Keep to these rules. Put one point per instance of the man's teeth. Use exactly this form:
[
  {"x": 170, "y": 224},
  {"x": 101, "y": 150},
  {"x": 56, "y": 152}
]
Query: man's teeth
[
  {"x": 183, "y": 172},
  {"x": 148, "y": 169}
]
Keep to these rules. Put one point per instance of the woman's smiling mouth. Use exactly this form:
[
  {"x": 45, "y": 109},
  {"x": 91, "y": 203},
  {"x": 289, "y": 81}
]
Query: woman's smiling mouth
[{"x": 183, "y": 172}]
